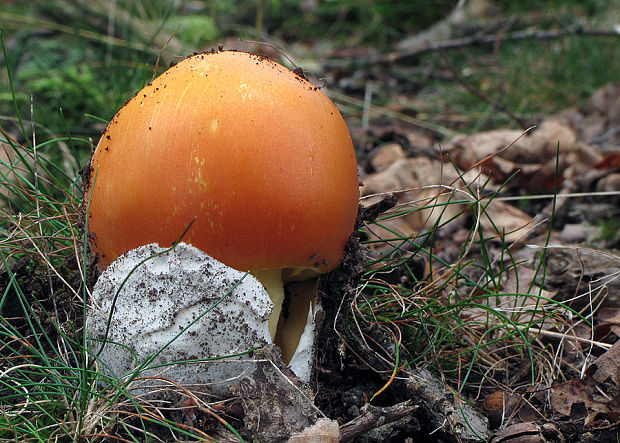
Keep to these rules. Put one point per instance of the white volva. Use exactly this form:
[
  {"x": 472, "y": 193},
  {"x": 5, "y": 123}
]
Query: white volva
[{"x": 166, "y": 294}]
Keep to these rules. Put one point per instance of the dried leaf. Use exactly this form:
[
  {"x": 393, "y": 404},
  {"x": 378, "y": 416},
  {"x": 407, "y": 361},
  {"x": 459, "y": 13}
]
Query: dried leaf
[
  {"x": 504, "y": 152},
  {"x": 609, "y": 315},
  {"x": 570, "y": 394},
  {"x": 609, "y": 160},
  {"x": 606, "y": 372},
  {"x": 506, "y": 220},
  {"x": 598, "y": 392},
  {"x": 520, "y": 433},
  {"x": 609, "y": 183},
  {"x": 383, "y": 156}
]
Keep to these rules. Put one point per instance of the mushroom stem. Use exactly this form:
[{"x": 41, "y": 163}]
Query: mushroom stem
[
  {"x": 271, "y": 279},
  {"x": 303, "y": 295},
  {"x": 286, "y": 331}
]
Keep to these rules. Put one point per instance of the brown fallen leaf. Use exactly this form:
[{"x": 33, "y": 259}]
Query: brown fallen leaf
[
  {"x": 572, "y": 398},
  {"x": 601, "y": 116},
  {"x": 398, "y": 176},
  {"x": 605, "y": 371},
  {"x": 609, "y": 160},
  {"x": 520, "y": 433},
  {"x": 604, "y": 102},
  {"x": 608, "y": 322},
  {"x": 507, "y": 221},
  {"x": 609, "y": 183},
  {"x": 504, "y": 152},
  {"x": 383, "y": 156},
  {"x": 467, "y": 150},
  {"x": 598, "y": 392},
  {"x": 582, "y": 162},
  {"x": 426, "y": 191},
  {"x": 551, "y": 134}
]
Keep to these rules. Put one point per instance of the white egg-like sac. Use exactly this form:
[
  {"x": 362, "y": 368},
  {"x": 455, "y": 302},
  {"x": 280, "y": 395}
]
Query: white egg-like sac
[
  {"x": 182, "y": 315},
  {"x": 303, "y": 358},
  {"x": 178, "y": 306}
]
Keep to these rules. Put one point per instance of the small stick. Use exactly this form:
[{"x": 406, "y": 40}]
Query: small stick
[
  {"x": 373, "y": 416},
  {"x": 162, "y": 51},
  {"x": 392, "y": 57}
]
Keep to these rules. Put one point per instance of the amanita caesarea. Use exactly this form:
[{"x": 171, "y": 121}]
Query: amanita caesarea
[{"x": 255, "y": 154}]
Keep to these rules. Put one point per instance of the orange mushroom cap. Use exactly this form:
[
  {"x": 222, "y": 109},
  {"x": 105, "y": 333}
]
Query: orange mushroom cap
[{"x": 257, "y": 154}]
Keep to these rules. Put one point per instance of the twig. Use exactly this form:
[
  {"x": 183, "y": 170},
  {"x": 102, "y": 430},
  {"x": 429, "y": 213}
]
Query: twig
[
  {"x": 373, "y": 211},
  {"x": 474, "y": 40},
  {"x": 442, "y": 410},
  {"x": 162, "y": 51},
  {"x": 367, "y": 104},
  {"x": 560, "y": 195},
  {"x": 564, "y": 336},
  {"x": 340, "y": 59},
  {"x": 373, "y": 416}
]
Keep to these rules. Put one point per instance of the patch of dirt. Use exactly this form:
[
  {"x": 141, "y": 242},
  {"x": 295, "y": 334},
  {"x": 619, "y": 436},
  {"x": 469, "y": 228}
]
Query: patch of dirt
[{"x": 36, "y": 296}]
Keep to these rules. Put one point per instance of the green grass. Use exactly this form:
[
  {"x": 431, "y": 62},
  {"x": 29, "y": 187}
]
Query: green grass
[
  {"x": 530, "y": 78},
  {"x": 610, "y": 228}
]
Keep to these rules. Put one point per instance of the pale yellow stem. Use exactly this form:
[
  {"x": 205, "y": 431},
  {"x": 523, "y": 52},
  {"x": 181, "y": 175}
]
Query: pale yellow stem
[
  {"x": 271, "y": 279},
  {"x": 286, "y": 333},
  {"x": 303, "y": 294}
]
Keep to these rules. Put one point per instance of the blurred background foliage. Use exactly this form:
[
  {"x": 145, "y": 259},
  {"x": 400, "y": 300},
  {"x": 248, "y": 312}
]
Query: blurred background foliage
[{"x": 82, "y": 59}]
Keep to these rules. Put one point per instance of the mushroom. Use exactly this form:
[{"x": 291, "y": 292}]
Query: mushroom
[{"x": 257, "y": 155}]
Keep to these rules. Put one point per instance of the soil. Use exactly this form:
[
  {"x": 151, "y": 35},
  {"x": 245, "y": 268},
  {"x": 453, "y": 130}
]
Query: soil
[{"x": 34, "y": 284}]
